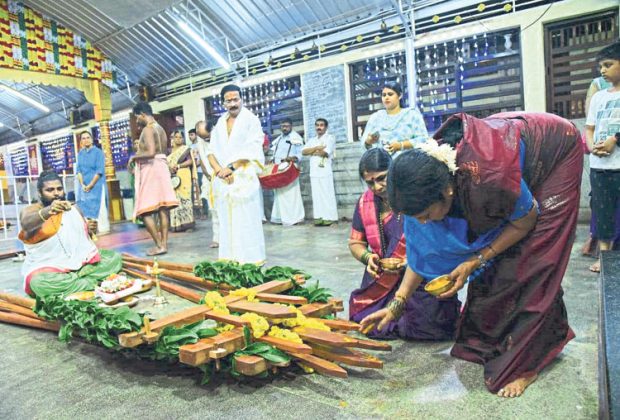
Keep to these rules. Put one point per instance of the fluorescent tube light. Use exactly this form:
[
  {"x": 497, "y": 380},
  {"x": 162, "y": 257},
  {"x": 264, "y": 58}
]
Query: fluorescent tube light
[
  {"x": 25, "y": 98},
  {"x": 194, "y": 35}
]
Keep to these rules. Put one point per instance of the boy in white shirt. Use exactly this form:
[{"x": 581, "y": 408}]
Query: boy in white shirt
[{"x": 602, "y": 136}]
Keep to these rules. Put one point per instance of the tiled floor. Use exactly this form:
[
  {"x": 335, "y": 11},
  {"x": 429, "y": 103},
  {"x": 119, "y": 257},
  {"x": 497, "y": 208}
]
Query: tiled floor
[{"x": 43, "y": 378}]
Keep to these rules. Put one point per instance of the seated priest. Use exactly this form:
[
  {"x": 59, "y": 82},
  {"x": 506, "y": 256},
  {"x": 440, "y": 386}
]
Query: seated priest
[{"x": 61, "y": 258}]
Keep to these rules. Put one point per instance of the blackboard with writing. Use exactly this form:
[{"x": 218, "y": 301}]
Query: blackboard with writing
[{"x": 324, "y": 96}]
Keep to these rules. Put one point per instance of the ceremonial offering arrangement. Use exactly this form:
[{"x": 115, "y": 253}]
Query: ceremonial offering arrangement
[{"x": 247, "y": 320}]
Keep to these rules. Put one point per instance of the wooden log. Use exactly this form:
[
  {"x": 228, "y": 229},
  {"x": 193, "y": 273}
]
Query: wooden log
[
  {"x": 321, "y": 365},
  {"x": 263, "y": 309},
  {"x": 327, "y": 338},
  {"x": 250, "y": 365},
  {"x": 316, "y": 310},
  {"x": 26, "y": 302},
  {"x": 17, "y": 319},
  {"x": 276, "y": 298},
  {"x": 347, "y": 356},
  {"x": 286, "y": 345},
  {"x": 10, "y": 307},
  {"x": 340, "y": 324},
  {"x": 188, "y": 268}
]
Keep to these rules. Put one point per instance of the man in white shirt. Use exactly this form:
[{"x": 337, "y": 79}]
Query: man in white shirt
[
  {"x": 203, "y": 136},
  {"x": 236, "y": 156},
  {"x": 288, "y": 207},
  {"x": 321, "y": 151}
]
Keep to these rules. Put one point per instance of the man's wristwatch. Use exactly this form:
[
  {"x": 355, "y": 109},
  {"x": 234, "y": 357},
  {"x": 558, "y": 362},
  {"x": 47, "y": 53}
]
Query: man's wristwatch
[{"x": 231, "y": 167}]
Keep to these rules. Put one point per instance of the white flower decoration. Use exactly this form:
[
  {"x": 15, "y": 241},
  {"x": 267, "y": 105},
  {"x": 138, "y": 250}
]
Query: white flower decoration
[{"x": 443, "y": 153}]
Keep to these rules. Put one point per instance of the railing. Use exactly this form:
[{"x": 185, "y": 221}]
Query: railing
[{"x": 24, "y": 193}]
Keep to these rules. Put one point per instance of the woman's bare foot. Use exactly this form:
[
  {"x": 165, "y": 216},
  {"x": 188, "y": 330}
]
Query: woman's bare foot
[
  {"x": 156, "y": 251},
  {"x": 214, "y": 245},
  {"x": 516, "y": 387},
  {"x": 596, "y": 267}
]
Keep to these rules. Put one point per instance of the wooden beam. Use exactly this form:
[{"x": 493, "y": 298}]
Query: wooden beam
[
  {"x": 263, "y": 309},
  {"x": 347, "y": 356},
  {"x": 276, "y": 298},
  {"x": 321, "y": 365},
  {"x": 285, "y": 345}
]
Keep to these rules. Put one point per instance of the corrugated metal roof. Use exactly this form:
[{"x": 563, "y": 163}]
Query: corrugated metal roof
[{"x": 154, "y": 49}]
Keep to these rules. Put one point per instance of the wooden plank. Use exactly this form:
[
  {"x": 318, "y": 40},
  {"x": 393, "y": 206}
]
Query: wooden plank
[
  {"x": 276, "y": 286},
  {"x": 347, "y": 356},
  {"x": 276, "y": 298},
  {"x": 202, "y": 351},
  {"x": 316, "y": 310},
  {"x": 26, "y": 302},
  {"x": 12, "y": 318},
  {"x": 340, "y": 324},
  {"x": 263, "y": 309},
  {"x": 285, "y": 345},
  {"x": 249, "y": 365},
  {"x": 196, "y": 354},
  {"x": 327, "y": 338},
  {"x": 227, "y": 319},
  {"x": 189, "y": 268},
  {"x": 322, "y": 366},
  {"x": 337, "y": 304},
  {"x": 371, "y": 345}
]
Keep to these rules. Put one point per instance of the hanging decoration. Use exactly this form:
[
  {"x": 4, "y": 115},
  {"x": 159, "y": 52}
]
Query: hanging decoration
[
  {"x": 507, "y": 7},
  {"x": 33, "y": 42},
  {"x": 481, "y": 7}
]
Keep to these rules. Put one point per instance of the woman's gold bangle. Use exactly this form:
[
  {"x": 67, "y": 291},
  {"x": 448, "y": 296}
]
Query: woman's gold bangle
[
  {"x": 400, "y": 296},
  {"x": 41, "y": 216}
]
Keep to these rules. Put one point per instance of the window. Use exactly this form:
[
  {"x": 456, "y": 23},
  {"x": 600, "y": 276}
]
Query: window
[{"x": 570, "y": 52}]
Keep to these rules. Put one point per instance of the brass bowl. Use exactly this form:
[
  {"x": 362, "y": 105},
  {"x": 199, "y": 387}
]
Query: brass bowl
[
  {"x": 390, "y": 263},
  {"x": 439, "y": 285}
]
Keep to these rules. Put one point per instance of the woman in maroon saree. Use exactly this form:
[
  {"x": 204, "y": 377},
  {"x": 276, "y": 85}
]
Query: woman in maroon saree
[
  {"x": 378, "y": 233},
  {"x": 514, "y": 321}
]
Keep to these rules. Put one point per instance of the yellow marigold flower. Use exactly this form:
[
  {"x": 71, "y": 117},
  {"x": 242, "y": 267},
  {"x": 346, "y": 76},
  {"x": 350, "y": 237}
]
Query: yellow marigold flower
[
  {"x": 285, "y": 334},
  {"x": 258, "y": 324},
  {"x": 249, "y": 294}
]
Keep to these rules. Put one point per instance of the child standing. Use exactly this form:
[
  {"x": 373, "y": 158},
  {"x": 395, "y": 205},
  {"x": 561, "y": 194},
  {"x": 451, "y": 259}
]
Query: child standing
[{"x": 602, "y": 136}]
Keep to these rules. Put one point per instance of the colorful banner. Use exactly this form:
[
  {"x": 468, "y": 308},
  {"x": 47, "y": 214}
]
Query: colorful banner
[{"x": 31, "y": 41}]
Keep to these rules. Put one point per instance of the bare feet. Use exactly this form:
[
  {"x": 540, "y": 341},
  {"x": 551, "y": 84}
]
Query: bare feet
[
  {"x": 214, "y": 245},
  {"x": 156, "y": 251},
  {"x": 516, "y": 387},
  {"x": 596, "y": 267}
]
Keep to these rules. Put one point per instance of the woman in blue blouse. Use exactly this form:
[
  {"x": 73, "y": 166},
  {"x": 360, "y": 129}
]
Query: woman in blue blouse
[
  {"x": 499, "y": 210},
  {"x": 394, "y": 128}
]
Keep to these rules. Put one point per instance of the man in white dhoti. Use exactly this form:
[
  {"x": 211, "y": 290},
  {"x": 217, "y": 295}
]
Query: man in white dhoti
[
  {"x": 288, "y": 208},
  {"x": 321, "y": 151},
  {"x": 236, "y": 156},
  {"x": 207, "y": 190}
]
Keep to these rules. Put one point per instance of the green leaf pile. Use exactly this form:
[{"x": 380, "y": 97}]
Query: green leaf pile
[
  {"x": 313, "y": 293},
  {"x": 88, "y": 320}
]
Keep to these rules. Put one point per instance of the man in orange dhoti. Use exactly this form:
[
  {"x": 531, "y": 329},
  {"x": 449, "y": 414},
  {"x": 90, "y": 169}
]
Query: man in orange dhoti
[{"x": 154, "y": 192}]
